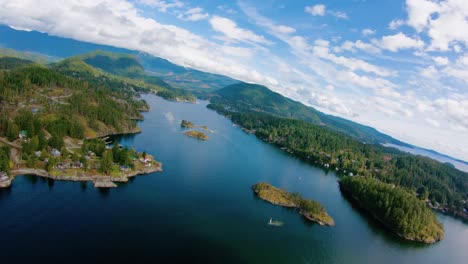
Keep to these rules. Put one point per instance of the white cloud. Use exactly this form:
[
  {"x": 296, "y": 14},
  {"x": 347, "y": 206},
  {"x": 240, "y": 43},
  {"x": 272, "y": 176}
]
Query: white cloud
[
  {"x": 320, "y": 10},
  {"x": 441, "y": 60},
  {"x": 339, "y": 14},
  {"x": 368, "y": 32},
  {"x": 443, "y": 21},
  {"x": 160, "y": 5},
  {"x": 194, "y": 14},
  {"x": 396, "y": 23},
  {"x": 234, "y": 33},
  {"x": 357, "y": 45},
  {"x": 321, "y": 50},
  {"x": 400, "y": 41},
  {"x": 316, "y": 10}
]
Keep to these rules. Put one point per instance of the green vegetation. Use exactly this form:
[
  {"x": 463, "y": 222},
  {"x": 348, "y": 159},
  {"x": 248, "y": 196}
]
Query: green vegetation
[
  {"x": 196, "y": 134},
  {"x": 443, "y": 186},
  {"x": 49, "y": 114},
  {"x": 311, "y": 210},
  {"x": 187, "y": 124},
  {"x": 28, "y": 56},
  {"x": 12, "y": 62},
  {"x": 244, "y": 97},
  {"x": 5, "y": 159},
  {"x": 395, "y": 207},
  {"x": 196, "y": 82},
  {"x": 119, "y": 72}
]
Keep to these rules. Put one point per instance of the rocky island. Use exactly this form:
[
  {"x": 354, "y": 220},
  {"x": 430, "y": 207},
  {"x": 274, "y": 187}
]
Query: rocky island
[
  {"x": 187, "y": 124},
  {"x": 309, "y": 209},
  {"x": 196, "y": 134}
]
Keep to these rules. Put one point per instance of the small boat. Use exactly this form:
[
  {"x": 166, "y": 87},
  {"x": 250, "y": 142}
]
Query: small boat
[{"x": 275, "y": 223}]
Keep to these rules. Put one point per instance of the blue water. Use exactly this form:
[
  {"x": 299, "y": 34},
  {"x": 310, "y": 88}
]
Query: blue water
[{"x": 201, "y": 209}]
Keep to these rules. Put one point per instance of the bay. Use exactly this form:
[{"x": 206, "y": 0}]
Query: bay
[{"x": 201, "y": 209}]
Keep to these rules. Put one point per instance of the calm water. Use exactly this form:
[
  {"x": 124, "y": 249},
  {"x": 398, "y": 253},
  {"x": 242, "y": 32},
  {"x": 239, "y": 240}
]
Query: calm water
[{"x": 201, "y": 208}]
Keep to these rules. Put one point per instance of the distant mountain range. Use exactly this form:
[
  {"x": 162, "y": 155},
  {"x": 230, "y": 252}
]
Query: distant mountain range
[{"x": 160, "y": 72}]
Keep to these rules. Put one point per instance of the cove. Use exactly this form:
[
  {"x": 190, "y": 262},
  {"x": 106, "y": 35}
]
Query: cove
[{"x": 201, "y": 208}]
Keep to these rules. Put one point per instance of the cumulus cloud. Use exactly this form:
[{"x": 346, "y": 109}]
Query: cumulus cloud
[
  {"x": 441, "y": 20},
  {"x": 400, "y": 41}
]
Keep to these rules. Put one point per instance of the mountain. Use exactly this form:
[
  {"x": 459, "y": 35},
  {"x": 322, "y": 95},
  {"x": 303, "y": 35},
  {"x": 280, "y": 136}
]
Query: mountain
[
  {"x": 118, "y": 71},
  {"x": 181, "y": 77},
  {"x": 253, "y": 97},
  {"x": 57, "y": 48}
]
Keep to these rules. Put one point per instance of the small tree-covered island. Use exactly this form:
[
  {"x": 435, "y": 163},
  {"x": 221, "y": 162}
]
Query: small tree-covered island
[
  {"x": 194, "y": 133},
  {"x": 311, "y": 210},
  {"x": 397, "y": 209},
  {"x": 53, "y": 122}
]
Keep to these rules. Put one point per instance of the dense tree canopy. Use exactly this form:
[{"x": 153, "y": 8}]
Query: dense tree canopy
[{"x": 400, "y": 210}]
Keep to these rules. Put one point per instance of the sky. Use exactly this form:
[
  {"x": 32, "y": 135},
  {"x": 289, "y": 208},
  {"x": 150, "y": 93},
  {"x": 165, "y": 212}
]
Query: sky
[{"x": 400, "y": 66}]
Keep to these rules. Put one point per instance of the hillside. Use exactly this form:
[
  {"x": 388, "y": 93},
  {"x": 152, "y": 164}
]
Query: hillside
[
  {"x": 64, "y": 105},
  {"x": 252, "y": 97},
  {"x": 118, "y": 70},
  {"x": 195, "y": 81}
]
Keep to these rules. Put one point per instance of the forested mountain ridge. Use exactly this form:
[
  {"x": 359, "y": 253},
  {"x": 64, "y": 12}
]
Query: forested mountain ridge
[
  {"x": 116, "y": 67},
  {"x": 252, "y": 97},
  {"x": 195, "y": 81}
]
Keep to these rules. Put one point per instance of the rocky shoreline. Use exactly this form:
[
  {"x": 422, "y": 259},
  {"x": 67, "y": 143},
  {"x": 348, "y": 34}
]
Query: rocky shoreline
[{"x": 99, "y": 181}]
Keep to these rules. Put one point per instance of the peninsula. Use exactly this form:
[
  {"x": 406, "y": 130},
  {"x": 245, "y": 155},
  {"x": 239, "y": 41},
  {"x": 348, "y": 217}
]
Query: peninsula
[
  {"x": 309, "y": 209},
  {"x": 52, "y": 118},
  {"x": 399, "y": 210}
]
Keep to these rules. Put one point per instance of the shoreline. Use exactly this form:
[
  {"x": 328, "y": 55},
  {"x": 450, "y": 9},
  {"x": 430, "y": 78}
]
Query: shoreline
[{"x": 100, "y": 181}]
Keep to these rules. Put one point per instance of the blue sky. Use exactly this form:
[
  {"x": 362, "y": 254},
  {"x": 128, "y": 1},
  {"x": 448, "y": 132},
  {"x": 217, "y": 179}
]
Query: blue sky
[{"x": 400, "y": 66}]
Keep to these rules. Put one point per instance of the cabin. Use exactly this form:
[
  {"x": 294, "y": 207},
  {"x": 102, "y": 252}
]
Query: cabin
[{"x": 55, "y": 152}]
